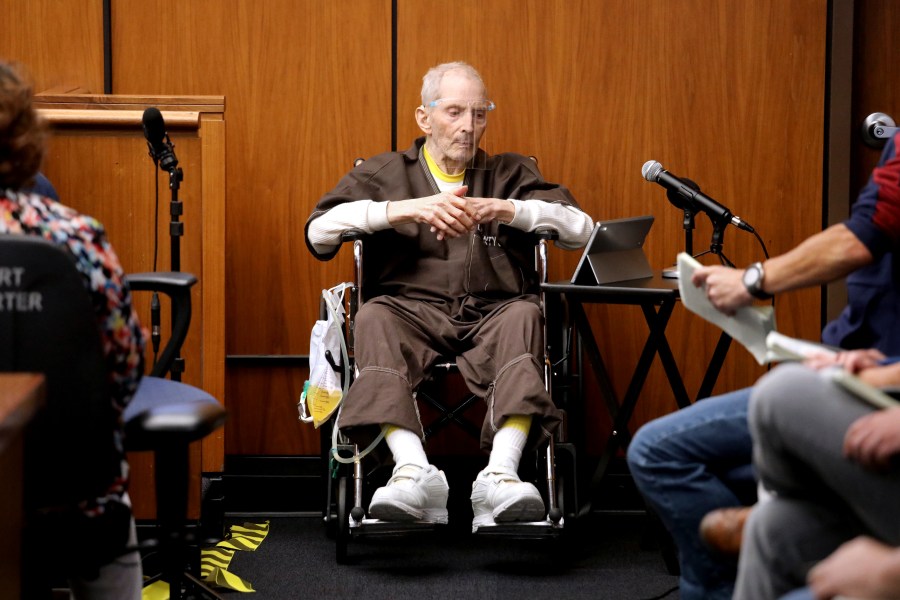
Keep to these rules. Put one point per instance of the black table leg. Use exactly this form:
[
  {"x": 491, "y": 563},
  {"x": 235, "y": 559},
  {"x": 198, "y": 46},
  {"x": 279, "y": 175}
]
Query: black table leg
[{"x": 657, "y": 320}]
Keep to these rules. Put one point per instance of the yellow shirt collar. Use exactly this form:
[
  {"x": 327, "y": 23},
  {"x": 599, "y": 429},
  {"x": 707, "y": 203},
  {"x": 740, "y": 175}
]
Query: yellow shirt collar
[{"x": 438, "y": 173}]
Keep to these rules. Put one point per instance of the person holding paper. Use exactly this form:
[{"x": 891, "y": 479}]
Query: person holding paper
[
  {"x": 684, "y": 463},
  {"x": 832, "y": 463}
]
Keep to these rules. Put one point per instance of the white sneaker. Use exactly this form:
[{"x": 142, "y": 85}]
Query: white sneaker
[
  {"x": 500, "y": 496},
  {"x": 412, "y": 494}
]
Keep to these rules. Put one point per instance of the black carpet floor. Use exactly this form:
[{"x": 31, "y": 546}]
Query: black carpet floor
[{"x": 604, "y": 556}]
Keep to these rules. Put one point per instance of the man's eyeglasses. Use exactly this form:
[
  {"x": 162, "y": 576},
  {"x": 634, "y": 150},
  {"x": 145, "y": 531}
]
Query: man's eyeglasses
[{"x": 455, "y": 108}]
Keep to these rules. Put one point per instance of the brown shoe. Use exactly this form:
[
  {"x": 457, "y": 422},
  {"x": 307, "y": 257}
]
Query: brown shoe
[{"x": 723, "y": 529}]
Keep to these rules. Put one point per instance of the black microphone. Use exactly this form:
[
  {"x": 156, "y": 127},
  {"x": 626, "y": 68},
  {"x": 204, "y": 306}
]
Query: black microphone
[
  {"x": 718, "y": 214},
  {"x": 162, "y": 150},
  {"x": 678, "y": 201}
]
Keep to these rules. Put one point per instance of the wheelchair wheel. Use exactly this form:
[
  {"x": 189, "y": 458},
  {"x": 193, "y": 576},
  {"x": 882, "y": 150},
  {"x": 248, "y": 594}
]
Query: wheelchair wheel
[
  {"x": 566, "y": 488},
  {"x": 330, "y": 512},
  {"x": 342, "y": 532},
  {"x": 329, "y": 509}
]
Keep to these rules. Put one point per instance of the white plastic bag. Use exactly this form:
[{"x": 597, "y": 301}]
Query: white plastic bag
[{"x": 323, "y": 392}]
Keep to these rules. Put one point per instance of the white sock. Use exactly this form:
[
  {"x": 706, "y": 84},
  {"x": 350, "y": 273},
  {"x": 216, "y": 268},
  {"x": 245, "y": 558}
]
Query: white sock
[
  {"x": 509, "y": 441},
  {"x": 405, "y": 445}
]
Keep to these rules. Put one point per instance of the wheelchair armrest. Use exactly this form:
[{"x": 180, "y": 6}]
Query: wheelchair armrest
[
  {"x": 351, "y": 235},
  {"x": 546, "y": 233},
  {"x": 177, "y": 286}
]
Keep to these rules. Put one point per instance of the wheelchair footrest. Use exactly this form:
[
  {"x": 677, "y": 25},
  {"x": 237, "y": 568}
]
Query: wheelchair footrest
[
  {"x": 524, "y": 530},
  {"x": 377, "y": 527}
]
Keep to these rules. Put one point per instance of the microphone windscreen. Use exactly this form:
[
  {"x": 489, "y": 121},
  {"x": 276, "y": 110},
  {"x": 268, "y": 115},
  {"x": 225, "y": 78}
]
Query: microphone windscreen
[
  {"x": 154, "y": 126},
  {"x": 691, "y": 184},
  {"x": 651, "y": 170},
  {"x": 675, "y": 196}
]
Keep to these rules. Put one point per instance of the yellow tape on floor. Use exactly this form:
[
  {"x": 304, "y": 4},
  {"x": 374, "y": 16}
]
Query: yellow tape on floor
[
  {"x": 223, "y": 579},
  {"x": 158, "y": 590},
  {"x": 214, "y": 561},
  {"x": 245, "y": 537}
]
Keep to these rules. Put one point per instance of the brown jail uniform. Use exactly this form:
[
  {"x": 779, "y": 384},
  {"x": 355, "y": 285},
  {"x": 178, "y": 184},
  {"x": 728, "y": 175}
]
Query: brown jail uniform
[{"x": 473, "y": 297}]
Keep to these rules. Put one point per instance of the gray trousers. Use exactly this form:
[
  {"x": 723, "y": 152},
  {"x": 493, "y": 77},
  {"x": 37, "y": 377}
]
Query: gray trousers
[
  {"x": 121, "y": 579},
  {"x": 496, "y": 348},
  {"x": 820, "y": 499}
]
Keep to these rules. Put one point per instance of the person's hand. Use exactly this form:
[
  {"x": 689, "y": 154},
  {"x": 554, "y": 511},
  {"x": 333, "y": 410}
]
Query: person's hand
[
  {"x": 448, "y": 213},
  {"x": 882, "y": 376},
  {"x": 724, "y": 287},
  {"x": 860, "y": 568},
  {"x": 485, "y": 210},
  {"x": 852, "y": 361},
  {"x": 873, "y": 440}
]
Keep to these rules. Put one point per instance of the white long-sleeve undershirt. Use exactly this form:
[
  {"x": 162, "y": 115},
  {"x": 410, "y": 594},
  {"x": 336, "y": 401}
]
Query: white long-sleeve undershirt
[{"x": 573, "y": 225}]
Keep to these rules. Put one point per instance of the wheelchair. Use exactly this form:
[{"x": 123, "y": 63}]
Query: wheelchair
[{"x": 349, "y": 479}]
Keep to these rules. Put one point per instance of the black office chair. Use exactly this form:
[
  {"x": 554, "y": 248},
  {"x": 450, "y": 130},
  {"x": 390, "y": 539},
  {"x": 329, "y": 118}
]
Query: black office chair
[
  {"x": 165, "y": 417},
  {"x": 48, "y": 326}
]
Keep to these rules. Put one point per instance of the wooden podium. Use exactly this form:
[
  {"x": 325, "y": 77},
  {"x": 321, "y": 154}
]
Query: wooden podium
[{"x": 98, "y": 161}]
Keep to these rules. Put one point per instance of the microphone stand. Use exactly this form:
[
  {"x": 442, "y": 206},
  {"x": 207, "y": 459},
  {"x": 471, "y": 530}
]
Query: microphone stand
[
  {"x": 718, "y": 239},
  {"x": 688, "y": 226},
  {"x": 176, "y": 227},
  {"x": 176, "y": 231},
  {"x": 176, "y": 209},
  {"x": 715, "y": 245}
]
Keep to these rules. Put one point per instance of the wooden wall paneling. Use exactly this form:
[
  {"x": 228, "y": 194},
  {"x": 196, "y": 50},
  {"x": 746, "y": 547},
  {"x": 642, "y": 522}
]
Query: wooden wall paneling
[
  {"x": 874, "y": 89},
  {"x": 213, "y": 185},
  {"x": 267, "y": 422},
  {"x": 839, "y": 137},
  {"x": 59, "y": 43},
  {"x": 710, "y": 88},
  {"x": 707, "y": 87},
  {"x": 308, "y": 88},
  {"x": 98, "y": 162}
]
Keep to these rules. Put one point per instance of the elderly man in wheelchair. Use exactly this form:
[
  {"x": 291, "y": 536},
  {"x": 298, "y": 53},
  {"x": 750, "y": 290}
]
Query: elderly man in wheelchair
[{"x": 449, "y": 272}]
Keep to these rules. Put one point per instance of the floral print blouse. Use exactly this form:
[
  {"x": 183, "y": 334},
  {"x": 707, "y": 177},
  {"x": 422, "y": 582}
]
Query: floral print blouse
[{"x": 122, "y": 338}]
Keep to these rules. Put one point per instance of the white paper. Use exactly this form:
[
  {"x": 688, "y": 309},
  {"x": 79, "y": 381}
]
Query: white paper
[
  {"x": 750, "y": 324},
  {"x": 782, "y": 347}
]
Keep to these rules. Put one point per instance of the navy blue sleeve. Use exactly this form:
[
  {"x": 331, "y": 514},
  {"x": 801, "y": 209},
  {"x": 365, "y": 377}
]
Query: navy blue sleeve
[
  {"x": 875, "y": 216},
  {"x": 43, "y": 187}
]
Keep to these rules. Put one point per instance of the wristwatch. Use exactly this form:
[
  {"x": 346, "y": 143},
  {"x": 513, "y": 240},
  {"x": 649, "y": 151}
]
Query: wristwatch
[{"x": 753, "y": 281}]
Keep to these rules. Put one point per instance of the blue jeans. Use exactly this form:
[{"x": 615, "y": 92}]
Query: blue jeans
[{"x": 688, "y": 463}]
